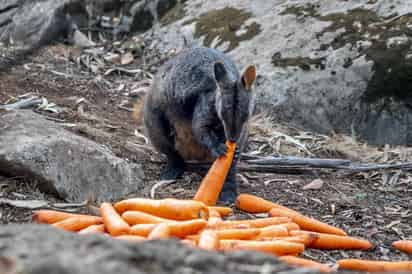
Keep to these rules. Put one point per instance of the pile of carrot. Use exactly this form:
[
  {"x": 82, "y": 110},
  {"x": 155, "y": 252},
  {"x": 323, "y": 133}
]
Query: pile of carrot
[{"x": 199, "y": 223}]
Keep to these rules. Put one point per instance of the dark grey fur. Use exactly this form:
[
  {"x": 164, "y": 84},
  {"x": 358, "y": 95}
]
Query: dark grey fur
[{"x": 198, "y": 101}]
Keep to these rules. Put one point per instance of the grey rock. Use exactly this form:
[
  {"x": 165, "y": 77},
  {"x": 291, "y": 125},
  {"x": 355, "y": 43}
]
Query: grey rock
[
  {"x": 39, "y": 249},
  {"x": 26, "y": 25},
  {"x": 72, "y": 166},
  {"x": 341, "y": 66}
]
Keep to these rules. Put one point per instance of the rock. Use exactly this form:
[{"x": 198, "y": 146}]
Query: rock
[
  {"x": 145, "y": 13},
  {"x": 39, "y": 249},
  {"x": 31, "y": 24},
  {"x": 27, "y": 25},
  {"x": 343, "y": 66},
  {"x": 69, "y": 165}
]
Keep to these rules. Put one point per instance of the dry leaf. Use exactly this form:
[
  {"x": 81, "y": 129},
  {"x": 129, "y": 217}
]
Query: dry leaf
[{"x": 315, "y": 184}]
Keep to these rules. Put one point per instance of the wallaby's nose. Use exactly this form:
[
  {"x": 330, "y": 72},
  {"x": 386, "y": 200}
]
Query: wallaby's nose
[{"x": 232, "y": 139}]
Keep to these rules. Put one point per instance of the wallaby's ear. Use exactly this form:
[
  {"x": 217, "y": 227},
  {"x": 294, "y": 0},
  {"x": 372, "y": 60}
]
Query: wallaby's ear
[
  {"x": 249, "y": 76},
  {"x": 220, "y": 71}
]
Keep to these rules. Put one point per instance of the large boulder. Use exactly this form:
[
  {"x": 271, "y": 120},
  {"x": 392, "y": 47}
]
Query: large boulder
[
  {"x": 342, "y": 66},
  {"x": 67, "y": 164},
  {"x": 39, "y": 249}
]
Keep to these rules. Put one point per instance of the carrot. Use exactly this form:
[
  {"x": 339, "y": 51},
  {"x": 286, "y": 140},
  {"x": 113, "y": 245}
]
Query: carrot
[
  {"x": 305, "y": 263},
  {"x": 113, "y": 222},
  {"x": 169, "y": 208},
  {"x": 332, "y": 241},
  {"x": 45, "y": 216},
  {"x": 273, "y": 231},
  {"x": 130, "y": 238},
  {"x": 255, "y": 223},
  {"x": 291, "y": 226},
  {"x": 77, "y": 223},
  {"x": 138, "y": 217},
  {"x": 277, "y": 247},
  {"x": 214, "y": 217},
  {"x": 211, "y": 185},
  {"x": 177, "y": 229},
  {"x": 223, "y": 211},
  {"x": 235, "y": 234},
  {"x": 142, "y": 229},
  {"x": 214, "y": 213},
  {"x": 375, "y": 266},
  {"x": 254, "y": 204},
  {"x": 307, "y": 223},
  {"x": 93, "y": 229},
  {"x": 209, "y": 240},
  {"x": 403, "y": 245},
  {"x": 294, "y": 239},
  {"x": 160, "y": 231}
]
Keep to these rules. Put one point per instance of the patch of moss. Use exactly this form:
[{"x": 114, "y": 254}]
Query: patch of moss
[
  {"x": 301, "y": 11},
  {"x": 223, "y": 25},
  {"x": 304, "y": 63},
  {"x": 392, "y": 70}
]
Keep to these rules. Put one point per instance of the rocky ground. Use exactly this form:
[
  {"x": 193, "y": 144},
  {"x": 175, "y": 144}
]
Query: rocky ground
[{"x": 374, "y": 205}]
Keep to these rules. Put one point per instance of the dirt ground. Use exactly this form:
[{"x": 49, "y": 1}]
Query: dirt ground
[{"x": 375, "y": 205}]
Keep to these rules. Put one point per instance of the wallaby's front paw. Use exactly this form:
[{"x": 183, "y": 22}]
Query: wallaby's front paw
[
  {"x": 219, "y": 150},
  {"x": 228, "y": 197}
]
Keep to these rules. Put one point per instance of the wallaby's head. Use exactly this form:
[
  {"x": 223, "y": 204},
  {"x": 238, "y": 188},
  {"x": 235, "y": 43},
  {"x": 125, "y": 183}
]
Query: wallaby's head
[{"x": 233, "y": 98}]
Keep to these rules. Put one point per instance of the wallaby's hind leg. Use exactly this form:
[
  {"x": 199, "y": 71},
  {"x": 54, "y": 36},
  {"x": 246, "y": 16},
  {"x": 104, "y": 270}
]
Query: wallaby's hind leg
[
  {"x": 159, "y": 132},
  {"x": 230, "y": 189}
]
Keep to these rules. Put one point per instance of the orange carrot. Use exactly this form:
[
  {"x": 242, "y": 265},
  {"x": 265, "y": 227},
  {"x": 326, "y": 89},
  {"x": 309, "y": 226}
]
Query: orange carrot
[
  {"x": 223, "y": 211},
  {"x": 138, "y": 217},
  {"x": 403, "y": 245},
  {"x": 305, "y": 263},
  {"x": 235, "y": 234},
  {"x": 177, "y": 229},
  {"x": 45, "y": 216},
  {"x": 78, "y": 222},
  {"x": 254, "y": 204},
  {"x": 214, "y": 217},
  {"x": 332, "y": 241},
  {"x": 142, "y": 229},
  {"x": 278, "y": 247},
  {"x": 273, "y": 231},
  {"x": 211, "y": 185},
  {"x": 291, "y": 226},
  {"x": 130, "y": 238},
  {"x": 209, "y": 240},
  {"x": 214, "y": 213},
  {"x": 93, "y": 229},
  {"x": 114, "y": 224},
  {"x": 161, "y": 231},
  {"x": 254, "y": 223},
  {"x": 169, "y": 208},
  {"x": 294, "y": 239},
  {"x": 375, "y": 266},
  {"x": 307, "y": 223}
]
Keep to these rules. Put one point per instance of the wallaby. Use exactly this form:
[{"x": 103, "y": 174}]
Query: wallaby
[{"x": 197, "y": 101}]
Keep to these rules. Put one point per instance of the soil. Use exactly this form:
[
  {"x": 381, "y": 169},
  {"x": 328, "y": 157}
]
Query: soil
[{"x": 374, "y": 206}]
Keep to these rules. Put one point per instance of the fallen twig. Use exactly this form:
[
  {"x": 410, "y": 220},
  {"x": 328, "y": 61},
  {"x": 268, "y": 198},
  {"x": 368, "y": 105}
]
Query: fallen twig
[
  {"x": 158, "y": 184},
  {"x": 25, "y": 103}
]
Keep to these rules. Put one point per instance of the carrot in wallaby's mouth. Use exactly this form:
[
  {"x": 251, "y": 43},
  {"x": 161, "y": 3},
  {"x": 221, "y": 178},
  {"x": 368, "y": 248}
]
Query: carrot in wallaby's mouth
[{"x": 212, "y": 183}]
